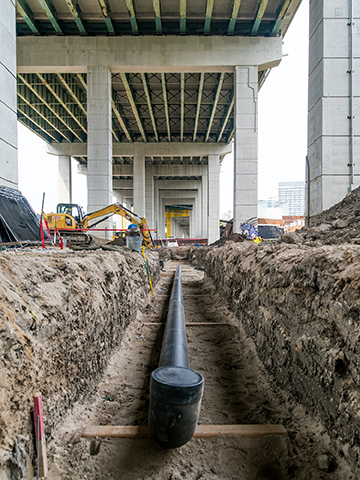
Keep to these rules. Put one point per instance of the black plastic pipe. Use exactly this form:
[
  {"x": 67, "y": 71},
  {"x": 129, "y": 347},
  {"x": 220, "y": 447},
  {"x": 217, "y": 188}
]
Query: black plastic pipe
[{"x": 175, "y": 389}]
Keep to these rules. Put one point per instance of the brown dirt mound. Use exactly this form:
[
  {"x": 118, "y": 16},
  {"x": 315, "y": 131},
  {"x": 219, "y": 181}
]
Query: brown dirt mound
[
  {"x": 61, "y": 315},
  {"x": 300, "y": 305},
  {"x": 339, "y": 224},
  {"x": 173, "y": 253},
  {"x": 234, "y": 237}
]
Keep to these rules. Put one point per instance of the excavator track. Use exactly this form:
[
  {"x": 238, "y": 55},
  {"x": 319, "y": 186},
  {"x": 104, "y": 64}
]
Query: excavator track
[{"x": 77, "y": 239}]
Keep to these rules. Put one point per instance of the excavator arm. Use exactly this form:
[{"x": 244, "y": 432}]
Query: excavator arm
[{"x": 118, "y": 209}]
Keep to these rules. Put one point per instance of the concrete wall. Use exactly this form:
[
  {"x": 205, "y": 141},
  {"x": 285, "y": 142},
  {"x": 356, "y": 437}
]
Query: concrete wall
[
  {"x": 8, "y": 105},
  {"x": 329, "y": 141}
]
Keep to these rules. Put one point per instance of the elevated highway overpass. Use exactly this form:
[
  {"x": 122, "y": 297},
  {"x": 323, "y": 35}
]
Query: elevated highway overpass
[{"x": 134, "y": 87}]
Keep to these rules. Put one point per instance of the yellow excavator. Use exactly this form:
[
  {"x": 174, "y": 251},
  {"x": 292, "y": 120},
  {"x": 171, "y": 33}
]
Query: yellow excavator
[{"x": 69, "y": 221}]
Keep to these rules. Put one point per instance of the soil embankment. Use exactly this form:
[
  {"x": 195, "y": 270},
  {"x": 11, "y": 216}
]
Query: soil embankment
[
  {"x": 287, "y": 353},
  {"x": 238, "y": 390},
  {"x": 298, "y": 299},
  {"x": 61, "y": 315}
]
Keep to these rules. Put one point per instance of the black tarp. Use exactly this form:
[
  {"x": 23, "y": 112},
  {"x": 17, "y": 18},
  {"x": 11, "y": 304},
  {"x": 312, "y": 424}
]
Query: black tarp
[
  {"x": 270, "y": 232},
  {"x": 18, "y": 221}
]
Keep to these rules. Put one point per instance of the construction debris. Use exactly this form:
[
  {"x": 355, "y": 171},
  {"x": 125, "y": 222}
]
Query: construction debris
[{"x": 18, "y": 221}]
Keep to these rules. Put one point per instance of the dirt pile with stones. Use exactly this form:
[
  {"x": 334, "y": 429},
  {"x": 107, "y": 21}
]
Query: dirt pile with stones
[
  {"x": 339, "y": 224},
  {"x": 238, "y": 390},
  {"x": 234, "y": 237},
  {"x": 300, "y": 303},
  {"x": 61, "y": 315}
]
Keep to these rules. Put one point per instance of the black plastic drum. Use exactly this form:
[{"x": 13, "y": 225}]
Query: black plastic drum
[{"x": 175, "y": 400}]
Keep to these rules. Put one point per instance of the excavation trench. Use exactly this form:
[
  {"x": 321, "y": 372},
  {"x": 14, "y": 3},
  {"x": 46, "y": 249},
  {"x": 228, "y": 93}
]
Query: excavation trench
[
  {"x": 238, "y": 390},
  {"x": 270, "y": 334}
]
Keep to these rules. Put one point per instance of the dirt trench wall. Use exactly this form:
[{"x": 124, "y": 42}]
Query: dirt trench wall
[
  {"x": 61, "y": 314},
  {"x": 301, "y": 305}
]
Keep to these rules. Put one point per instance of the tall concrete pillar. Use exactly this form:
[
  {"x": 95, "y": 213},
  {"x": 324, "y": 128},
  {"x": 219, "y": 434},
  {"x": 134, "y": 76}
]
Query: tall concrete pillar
[
  {"x": 139, "y": 185},
  {"x": 204, "y": 205},
  {"x": 99, "y": 118},
  {"x": 213, "y": 198},
  {"x": 8, "y": 105},
  {"x": 333, "y": 126},
  {"x": 64, "y": 179},
  {"x": 191, "y": 222},
  {"x": 120, "y": 221},
  {"x": 245, "y": 144},
  {"x": 198, "y": 230},
  {"x": 149, "y": 199}
]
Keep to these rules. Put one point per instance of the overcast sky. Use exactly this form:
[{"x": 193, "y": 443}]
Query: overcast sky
[{"x": 282, "y": 133}]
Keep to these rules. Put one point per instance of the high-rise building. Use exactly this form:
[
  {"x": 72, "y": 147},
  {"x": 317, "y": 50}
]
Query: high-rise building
[{"x": 294, "y": 194}]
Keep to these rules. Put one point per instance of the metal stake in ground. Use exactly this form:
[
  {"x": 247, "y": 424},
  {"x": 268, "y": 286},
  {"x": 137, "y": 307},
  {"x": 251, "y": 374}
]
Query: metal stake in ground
[{"x": 175, "y": 389}]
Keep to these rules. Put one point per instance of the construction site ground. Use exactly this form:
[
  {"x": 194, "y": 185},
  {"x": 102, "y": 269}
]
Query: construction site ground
[
  {"x": 74, "y": 327},
  {"x": 237, "y": 391}
]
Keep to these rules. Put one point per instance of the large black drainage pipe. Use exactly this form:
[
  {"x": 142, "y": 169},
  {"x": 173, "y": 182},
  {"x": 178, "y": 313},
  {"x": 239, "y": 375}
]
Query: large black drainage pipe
[{"x": 175, "y": 389}]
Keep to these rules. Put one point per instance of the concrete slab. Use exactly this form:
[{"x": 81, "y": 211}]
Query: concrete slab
[
  {"x": 8, "y": 88},
  {"x": 8, "y": 165},
  {"x": 316, "y": 15},
  {"x": 99, "y": 183},
  {"x": 141, "y": 54},
  {"x": 7, "y": 35},
  {"x": 8, "y": 124},
  {"x": 316, "y": 52},
  {"x": 243, "y": 213},
  {"x": 149, "y": 149},
  {"x": 246, "y": 181},
  {"x": 315, "y": 122},
  {"x": 248, "y": 197}
]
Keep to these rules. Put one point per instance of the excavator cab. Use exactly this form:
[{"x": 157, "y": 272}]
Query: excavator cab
[{"x": 72, "y": 209}]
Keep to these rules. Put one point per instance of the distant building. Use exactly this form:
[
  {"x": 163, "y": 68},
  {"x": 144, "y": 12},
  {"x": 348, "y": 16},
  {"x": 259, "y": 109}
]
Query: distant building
[
  {"x": 272, "y": 208},
  {"x": 272, "y": 202},
  {"x": 294, "y": 194}
]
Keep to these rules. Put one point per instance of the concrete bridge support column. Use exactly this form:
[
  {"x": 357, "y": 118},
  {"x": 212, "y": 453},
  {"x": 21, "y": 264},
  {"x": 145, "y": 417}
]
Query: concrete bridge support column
[
  {"x": 149, "y": 200},
  {"x": 213, "y": 198},
  {"x": 64, "y": 179},
  {"x": 204, "y": 205},
  {"x": 139, "y": 185},
  {"x": 8, "y": 102},
  {"x": 120, "y": 221},
  {"x": 199, "y": 227},
  {"x": 246, "y": 144},
  {"x": 333, "y": 126},
  {"x": 99, "y": 165}
]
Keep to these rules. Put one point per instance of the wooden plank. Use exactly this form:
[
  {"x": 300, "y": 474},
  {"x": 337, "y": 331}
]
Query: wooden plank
[
  {"x": 117, "y": 431},
  {"x": 202, "y": 431},
  {"x": 250, "y": 431},
  {"x": 191, "y": 324}
]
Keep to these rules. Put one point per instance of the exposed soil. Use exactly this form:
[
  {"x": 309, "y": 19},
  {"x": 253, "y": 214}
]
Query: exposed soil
[
  {"x": 338, "y": 224},
  {"x": 61, "y": 315},
  {"x": 234, "y": 237},
  {"x": 299, "y": 302},
  {"x": 237, "y": 391},
  {"x": 288, "y": 353}
]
